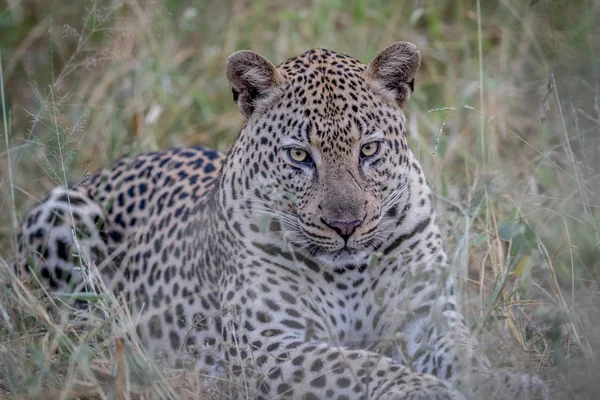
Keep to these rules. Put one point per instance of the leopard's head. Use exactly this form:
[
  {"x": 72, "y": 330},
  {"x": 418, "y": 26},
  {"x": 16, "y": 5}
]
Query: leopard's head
[{"x": 323, "y": 150}]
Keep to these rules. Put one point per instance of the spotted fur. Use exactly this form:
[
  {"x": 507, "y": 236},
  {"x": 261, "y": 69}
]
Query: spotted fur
[{"x": 307, "y": 263}]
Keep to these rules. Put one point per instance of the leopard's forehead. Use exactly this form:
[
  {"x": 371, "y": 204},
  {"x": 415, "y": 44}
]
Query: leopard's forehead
[
  {"x": 326, "y": 72},
  {"x": 326, "y": 61},
  {"x": 330, "y": 95}
]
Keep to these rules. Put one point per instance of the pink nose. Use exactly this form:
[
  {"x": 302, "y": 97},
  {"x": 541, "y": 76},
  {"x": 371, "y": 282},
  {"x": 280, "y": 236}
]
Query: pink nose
[{"x": 344, "y": 228}]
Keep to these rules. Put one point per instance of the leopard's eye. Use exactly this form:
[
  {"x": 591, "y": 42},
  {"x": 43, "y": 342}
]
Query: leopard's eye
[
  {"x": 298, "y": 155},
  {"x": 369, "y": 149}
]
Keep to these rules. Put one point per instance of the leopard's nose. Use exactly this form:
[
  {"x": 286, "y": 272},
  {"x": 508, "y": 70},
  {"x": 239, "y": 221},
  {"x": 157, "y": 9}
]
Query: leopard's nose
[{"x": 344, "y": 228}]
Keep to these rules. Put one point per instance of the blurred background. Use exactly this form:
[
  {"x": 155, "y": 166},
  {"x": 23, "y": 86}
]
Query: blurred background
[{"x": 505, "y": 120}]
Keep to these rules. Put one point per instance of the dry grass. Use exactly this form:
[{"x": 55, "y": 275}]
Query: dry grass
[{"x": 505, "y": 120}]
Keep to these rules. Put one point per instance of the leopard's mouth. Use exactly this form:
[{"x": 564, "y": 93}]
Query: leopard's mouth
[{"x": 329, "y": 251}]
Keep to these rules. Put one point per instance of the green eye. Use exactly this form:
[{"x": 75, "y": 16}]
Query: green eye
[
  {"x": 369, "y": 149},
  {"x": 298, "y": 155}
]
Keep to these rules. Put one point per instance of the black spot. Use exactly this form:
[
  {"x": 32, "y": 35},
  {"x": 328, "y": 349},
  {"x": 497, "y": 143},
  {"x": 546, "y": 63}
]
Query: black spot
[
  {"x": 174, "y": 339},
  {"x": 343, "y": 382},
  {"x": 62, "y": 249},
  {"x": 317, "y": 365},
  {"x": 154, "y": 326},
  {"x": 284, "y": 388},
  {"x": 328, "y": 277},
  {"x": 319, "y": 382},
  {"x": 116, "y": 236}
]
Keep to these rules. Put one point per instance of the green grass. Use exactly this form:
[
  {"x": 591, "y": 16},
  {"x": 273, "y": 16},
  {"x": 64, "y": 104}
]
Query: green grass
[{"x": 505, "y": 120}]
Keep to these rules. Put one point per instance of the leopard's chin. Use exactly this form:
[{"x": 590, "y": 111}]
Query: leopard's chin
[{"x": 343, "y": 257}]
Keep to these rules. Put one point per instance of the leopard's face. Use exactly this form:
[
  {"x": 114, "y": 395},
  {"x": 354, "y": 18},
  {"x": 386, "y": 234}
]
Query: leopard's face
[{"x": 324, "y": 154}]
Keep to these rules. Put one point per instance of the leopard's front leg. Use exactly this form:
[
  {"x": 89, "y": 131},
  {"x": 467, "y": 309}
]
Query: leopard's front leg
[
  {"x": 439, "y": 343},
  {"x": 314, "y": 370}
]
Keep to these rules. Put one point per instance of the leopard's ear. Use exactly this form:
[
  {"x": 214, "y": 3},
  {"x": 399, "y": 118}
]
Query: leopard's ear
[
  {"x": 253, "y": 79},
  {"x": 393, "y": 70}
]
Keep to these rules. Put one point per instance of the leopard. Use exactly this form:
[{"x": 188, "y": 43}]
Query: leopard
[{"x": 306, "y": 263}]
